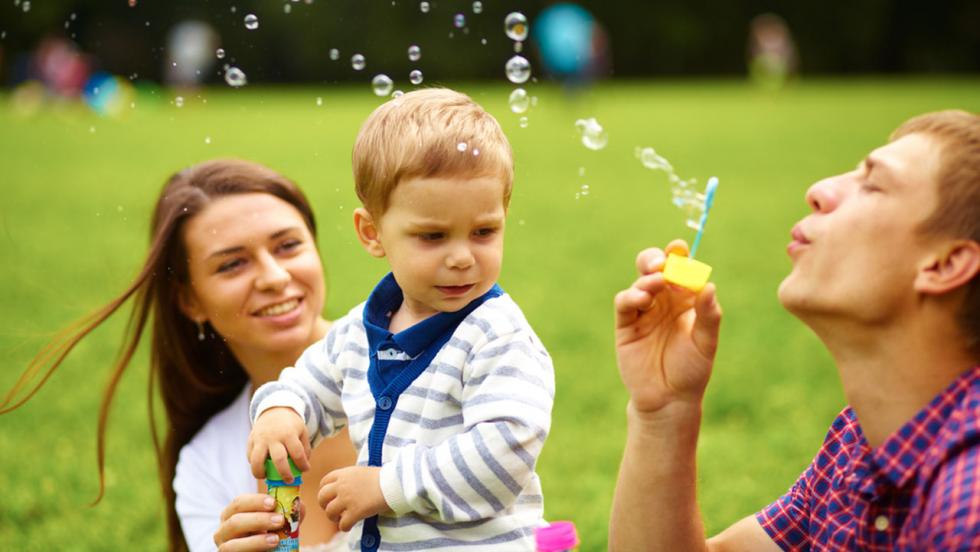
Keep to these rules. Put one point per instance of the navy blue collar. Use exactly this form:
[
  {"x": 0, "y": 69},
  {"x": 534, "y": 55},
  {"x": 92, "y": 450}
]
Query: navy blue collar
[{"x": 387, "y": 298}]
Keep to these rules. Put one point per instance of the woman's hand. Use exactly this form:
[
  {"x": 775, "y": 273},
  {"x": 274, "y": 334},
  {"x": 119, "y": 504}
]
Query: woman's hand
[
  {"x": 249, "y": 523},
  {"x": 666, "y": 336}
]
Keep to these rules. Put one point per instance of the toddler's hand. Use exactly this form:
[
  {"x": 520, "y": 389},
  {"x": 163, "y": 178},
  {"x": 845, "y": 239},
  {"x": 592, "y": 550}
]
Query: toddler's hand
[
  {"x": 278, "y": 433},
  {"x": 349, "y": 495}
]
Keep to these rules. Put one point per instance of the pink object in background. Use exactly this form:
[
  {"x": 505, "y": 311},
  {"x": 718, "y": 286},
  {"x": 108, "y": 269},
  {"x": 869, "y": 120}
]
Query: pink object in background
[{"x": 556, "y": 537}]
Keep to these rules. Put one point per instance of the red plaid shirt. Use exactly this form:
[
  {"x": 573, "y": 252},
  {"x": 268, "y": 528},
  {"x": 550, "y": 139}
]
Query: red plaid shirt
[{"x": 919, "y": 490}]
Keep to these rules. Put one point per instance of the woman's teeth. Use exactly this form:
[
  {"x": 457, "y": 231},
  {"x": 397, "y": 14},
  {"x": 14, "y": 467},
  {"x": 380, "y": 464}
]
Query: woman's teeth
[{"x": 281, "y": 308}]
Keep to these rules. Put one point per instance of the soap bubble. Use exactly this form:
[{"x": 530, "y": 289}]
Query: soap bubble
[
  {"x": 518, "y": 47},
  {"x": 593, "y": 135},
  {"x": 235, "y": 77},
  {"x": 286, "y": 8},
  {"x": 519, "y": 100},
  {"x": 357, "y": 62},
  {"x": 518, "y": 69},
  {"x": 382, "y": 84},
  {"x": 179, "y": 101},
  {"x": 415, "y": 76},
  {"x": 132, "y": 3},
  {"x": 334, "y": 54},
  {"x": 461, "y": 147},
  {"x": 584, "y": 190},
  {"x": 459, "y": 20},
  {"x": 515, "y": 25},
  {"x": 220, "y": 53},
  {"x": 522, "y": 122},
  {"x": 251, "y": 22},
  {"x": 652, "y": 160},
  {"x": 26, "y": 6},
  {"x": 424, "y": 7},
  {"x": 397, "y": 94},
  {"x": 477, "y": 7},
  {"x": 414, "y": 53},
  {"x": 319, "y": 101},
  {"x": 684, "y": 194}
]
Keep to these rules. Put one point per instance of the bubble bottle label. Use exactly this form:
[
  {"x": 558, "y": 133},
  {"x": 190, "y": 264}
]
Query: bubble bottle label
[{"x": 287, "y": 503}]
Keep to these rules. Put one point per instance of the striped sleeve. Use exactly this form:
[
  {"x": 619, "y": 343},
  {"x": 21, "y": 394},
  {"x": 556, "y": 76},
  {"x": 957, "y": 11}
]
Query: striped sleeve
[
  {"x": 507, "y": 395},
  {"x": 312, "y": 388}
]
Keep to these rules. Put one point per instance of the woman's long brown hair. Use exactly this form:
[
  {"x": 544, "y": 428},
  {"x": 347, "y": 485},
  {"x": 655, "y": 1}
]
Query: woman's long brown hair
[{"x": 197, "y": 379}]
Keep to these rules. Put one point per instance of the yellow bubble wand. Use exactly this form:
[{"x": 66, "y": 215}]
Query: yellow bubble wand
[{"x": 685, "y": 271}]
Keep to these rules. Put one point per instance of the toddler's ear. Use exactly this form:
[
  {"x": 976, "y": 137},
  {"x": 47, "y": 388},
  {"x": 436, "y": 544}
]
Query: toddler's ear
[{"x": 367, "y": 232}]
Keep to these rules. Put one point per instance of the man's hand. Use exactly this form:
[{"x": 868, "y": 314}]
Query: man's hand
[
  {"x": 278, "y": 433},
  {"x": 351, "y": 494},
  {"x": 666, "y": 336}
]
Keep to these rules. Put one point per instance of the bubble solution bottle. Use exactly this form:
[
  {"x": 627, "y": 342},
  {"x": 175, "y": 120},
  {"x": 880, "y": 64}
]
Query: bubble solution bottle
[
  {"x": 557, "y": 536},
  {"x": 287, "y": 500}
]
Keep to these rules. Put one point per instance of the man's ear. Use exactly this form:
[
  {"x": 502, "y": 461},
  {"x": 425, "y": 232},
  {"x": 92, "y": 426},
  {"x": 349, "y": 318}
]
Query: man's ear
[
  {"x": 367, "y": 232},
  {"x": 951, "y": 268},
  {"x": 188, "y": 304}
]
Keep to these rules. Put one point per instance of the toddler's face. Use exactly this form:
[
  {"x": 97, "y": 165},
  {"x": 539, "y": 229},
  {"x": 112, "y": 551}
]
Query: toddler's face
[{"x": 444, "y": 239}]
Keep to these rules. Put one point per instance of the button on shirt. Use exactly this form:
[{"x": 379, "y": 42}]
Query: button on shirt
[{"x": 919, "y": 490}]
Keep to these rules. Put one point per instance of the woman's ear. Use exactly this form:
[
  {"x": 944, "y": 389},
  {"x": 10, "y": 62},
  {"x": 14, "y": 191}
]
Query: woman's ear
[
  {"x": 953, "y": 267},
  {"x": 188, "y": 304},
  {"x": 368, "y": 232}
]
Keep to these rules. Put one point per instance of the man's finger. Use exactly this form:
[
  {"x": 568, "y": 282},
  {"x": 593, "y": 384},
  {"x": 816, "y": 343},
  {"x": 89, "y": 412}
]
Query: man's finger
[
  {"x": 649, "y": 260},
  {"x": 707, "y": 321}
]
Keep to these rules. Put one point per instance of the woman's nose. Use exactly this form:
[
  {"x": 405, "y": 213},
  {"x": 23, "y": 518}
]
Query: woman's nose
[{"x": 272, "y": 275}]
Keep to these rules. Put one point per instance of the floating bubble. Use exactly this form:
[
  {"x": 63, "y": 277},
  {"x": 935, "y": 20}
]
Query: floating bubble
[
  {"x": 518, "y": 47},
  {"x": 519, "y": 100},
  {"x": 132, "y": 3},
  {"x": 251, "y": 22},
  {"x": 581, "y": 171},
  {"x": 357, "y": 62},
  {"x": 207, "y": 139},
  {"x": 593, "y": 135},
  {"x": 220, "y": 53},
  {"x": 286, "y": 8},
  {"x": 179, "y": 101},
  {"x": 414, "y": 53},
  {"x": 652, "y": 160},
  {"x": 26, "y": 6},
  {"x": 319, "y": 101},
  {"x": 424, "y": 7},
  {"x": 683, "y": 192},
  {"x": 518, "y": 69},
  {"x": 476, "y": 152},
  {"x": 515, "y": 25},
  {"x": 483, "y": 41},
  {"x": 459, "y": 20},
  {"x": 235, "y": 77},
  {"x": 382, "y": 84},
  {"x": 415, "y": 76},
  {"x": 461, "y": 146},
  {"x": 334, "y": 54},
  {"x": 477, "y": 7},
  {"x": 397, "y": 94},
  {"x": 522, "y": 122}
]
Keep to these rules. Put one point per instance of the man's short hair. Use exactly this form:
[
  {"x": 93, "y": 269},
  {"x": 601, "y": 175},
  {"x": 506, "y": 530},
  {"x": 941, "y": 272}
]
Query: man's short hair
[
  {"x": 428, "y": 133},
  {"x": 957, "y": 213}
]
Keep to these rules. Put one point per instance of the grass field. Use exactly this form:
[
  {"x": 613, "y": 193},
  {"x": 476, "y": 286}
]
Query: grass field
[{"x": 77, "y": 190}]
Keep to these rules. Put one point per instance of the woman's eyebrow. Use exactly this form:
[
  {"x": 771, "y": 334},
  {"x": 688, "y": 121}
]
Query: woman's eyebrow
[{"x": 240, "y": 248}]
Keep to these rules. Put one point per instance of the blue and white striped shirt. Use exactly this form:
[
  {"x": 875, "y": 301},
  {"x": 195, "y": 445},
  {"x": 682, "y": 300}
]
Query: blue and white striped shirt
[{"x": 462, "y": 439}]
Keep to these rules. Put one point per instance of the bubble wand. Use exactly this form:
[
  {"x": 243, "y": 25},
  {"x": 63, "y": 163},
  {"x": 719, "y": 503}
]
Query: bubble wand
[{"x": 685, "y": 271}]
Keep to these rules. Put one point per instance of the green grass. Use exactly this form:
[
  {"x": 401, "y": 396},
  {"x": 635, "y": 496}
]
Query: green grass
[{"x": 77, "y": 190}]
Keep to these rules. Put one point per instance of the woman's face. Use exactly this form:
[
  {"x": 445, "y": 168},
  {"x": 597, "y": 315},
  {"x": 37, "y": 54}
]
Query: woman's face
[{"x": 255, "y": 276}]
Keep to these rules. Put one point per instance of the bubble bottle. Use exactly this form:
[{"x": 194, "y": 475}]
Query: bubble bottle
[
  {"x": 557, "y": 536},
  {"x": 288, "y": 504}
]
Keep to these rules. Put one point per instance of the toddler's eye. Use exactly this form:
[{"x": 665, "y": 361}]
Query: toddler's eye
[
  {"x": 485, "y": 232},
  {"x": 431, "y": 236}
]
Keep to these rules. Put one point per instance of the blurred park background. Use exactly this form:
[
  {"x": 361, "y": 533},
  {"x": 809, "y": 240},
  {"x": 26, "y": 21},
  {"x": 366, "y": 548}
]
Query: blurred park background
[{"x": 101, "y": 101}]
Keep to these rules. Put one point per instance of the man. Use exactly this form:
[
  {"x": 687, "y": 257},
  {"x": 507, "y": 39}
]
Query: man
[{"x": 885, "y": 272}]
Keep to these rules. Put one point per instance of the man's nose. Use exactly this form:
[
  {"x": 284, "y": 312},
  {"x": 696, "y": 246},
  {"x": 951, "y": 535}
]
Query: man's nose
[{"x": 824, "y": 196}]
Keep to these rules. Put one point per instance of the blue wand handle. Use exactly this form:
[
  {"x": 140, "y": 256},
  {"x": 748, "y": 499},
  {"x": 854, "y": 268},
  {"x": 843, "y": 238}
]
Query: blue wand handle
[{"x": 709, "y": 198}]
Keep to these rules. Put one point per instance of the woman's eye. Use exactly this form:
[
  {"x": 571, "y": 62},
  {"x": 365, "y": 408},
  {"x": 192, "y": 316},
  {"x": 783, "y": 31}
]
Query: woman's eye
[
  {"x": 289, "y": 245},
  {"x": 230, "y": 265}
]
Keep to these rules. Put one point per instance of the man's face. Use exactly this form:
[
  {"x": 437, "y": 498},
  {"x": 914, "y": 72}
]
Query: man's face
[
  {"x": 857, "y": 254},
  {"x": 444, "y": 240}
]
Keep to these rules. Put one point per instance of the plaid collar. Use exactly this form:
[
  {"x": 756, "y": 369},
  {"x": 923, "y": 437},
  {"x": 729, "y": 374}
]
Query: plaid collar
[{"x": 927, "y": 438}]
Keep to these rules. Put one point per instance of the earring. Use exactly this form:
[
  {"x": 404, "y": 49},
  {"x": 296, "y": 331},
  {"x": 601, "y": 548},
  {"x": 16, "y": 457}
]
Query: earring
[{"x": 200, "y": 330}]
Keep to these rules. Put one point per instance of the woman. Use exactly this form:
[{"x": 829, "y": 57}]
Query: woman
[{"x": 234, "y": 286}]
